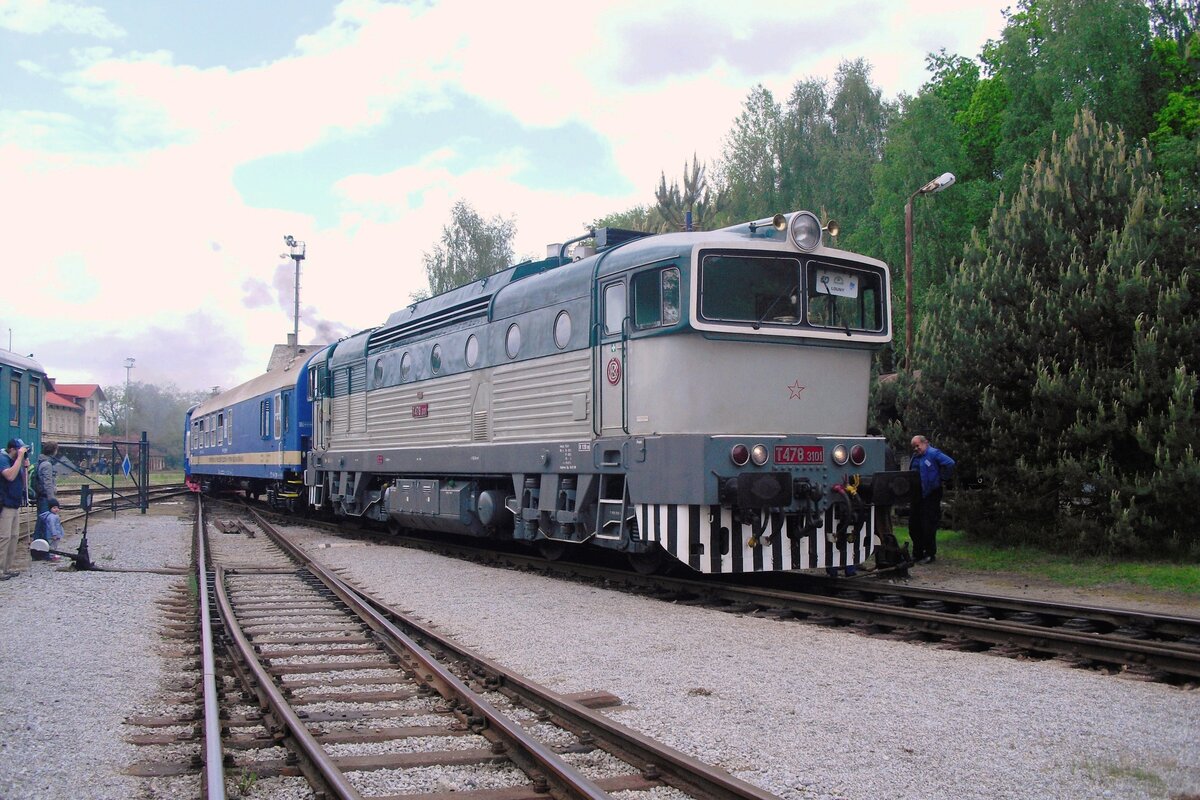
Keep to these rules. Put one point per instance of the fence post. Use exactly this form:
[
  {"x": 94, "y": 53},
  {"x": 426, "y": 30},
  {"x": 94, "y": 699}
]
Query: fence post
[{"x": 144, "y": 473}]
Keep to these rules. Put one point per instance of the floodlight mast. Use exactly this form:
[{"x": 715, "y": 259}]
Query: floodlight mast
[
  {"x": 296, "y": 253},
  {"x": 943, "y": 181}
]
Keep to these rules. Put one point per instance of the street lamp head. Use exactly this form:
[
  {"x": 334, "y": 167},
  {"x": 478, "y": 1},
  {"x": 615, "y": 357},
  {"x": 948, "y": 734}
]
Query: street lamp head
[
  {"x": 943, "y": 181},
  {"x": 129, "y": 363},
  {"x": 289, "y": 240}
]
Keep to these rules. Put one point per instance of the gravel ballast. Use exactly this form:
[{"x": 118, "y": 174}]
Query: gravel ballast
[
  {"x": 801, "y": 710},
  {"x": 79, "y": 653}
]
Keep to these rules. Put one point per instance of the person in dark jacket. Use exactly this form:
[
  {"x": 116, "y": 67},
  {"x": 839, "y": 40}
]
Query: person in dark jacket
[
  {"x": 45, "y": 485},
  {"x": 934, "y": 467},
  {"x": 13, "y": 495}
]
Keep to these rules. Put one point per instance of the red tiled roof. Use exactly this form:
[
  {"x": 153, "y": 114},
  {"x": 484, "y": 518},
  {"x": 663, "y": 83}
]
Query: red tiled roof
[
  {"x": 56, "y": 399},
  {"x": 80, "y": 390}
]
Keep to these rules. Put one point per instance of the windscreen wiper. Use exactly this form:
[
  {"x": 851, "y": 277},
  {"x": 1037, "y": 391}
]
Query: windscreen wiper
[
  {"x": 833, "y": 305},
  {"x": 790, "y": 294}
]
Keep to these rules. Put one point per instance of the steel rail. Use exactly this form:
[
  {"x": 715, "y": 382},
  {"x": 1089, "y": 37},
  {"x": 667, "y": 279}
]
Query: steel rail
[
  {"x": 214, "y": 760},
  {"x": 567, "y": 779},
  {"x": 334, "y": 778},
  {"x": 1177, "y": 659},
  {"x": 1173, "y": 624}
]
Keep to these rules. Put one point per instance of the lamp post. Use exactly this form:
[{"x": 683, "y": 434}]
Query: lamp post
[
  {"x": 943, "y": 181},
  {"x": 296, "y": 253},
  {"x": 128, "y": 367}
]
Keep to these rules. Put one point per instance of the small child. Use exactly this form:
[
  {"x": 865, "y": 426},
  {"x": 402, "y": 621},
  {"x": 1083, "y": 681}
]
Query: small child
[{"x": 52, "y": 527}]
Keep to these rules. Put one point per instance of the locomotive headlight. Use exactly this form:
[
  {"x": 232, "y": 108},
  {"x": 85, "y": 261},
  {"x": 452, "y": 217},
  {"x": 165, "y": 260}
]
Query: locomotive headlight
[
  {"x": 759, "y": 454},
  {"x": 840, "y": 455},
  {"x": 739, "y": 455},
  {"x": 858, "y": 455},
  {"x": 805, "y": 230}
]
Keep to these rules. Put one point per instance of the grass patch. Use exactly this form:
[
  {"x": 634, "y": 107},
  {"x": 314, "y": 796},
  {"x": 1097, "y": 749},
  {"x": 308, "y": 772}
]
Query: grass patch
[
  {"x": 73, "y": 480},
  {"x": 960, "y": 550}
]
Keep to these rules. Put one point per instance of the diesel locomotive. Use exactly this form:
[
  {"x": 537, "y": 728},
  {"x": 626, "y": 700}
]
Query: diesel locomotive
[{"x": 698, "y": 397}]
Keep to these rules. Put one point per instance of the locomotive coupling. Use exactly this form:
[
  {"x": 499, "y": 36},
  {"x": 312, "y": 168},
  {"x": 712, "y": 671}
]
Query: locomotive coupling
[{"x": 758, "y": 490}]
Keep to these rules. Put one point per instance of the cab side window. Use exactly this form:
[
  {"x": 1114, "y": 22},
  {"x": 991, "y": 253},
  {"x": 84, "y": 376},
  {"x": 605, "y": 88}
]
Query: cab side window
[{"x": 656, "y": 298}]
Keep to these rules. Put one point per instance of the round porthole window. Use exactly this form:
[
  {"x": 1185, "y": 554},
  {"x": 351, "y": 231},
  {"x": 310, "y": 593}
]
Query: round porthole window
[
  {"x": 435, "y": 359},
  {"x": 562, "y": 330},
  {"x": 472, "y": 352},
  {"x": 405, "y": 366},
  {"x": 512, "y": 340},
  {"x": 377, "y": 375}
]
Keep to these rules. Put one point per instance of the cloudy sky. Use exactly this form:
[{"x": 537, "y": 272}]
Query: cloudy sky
[{"x": 154, "y": 154}]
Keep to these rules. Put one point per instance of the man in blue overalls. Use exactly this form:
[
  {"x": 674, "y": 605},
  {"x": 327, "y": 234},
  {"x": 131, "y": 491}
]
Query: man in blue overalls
[{"x": 935, "y": 467}]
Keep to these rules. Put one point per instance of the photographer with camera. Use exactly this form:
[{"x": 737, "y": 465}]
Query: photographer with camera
[{"x": 13, "y": 495}]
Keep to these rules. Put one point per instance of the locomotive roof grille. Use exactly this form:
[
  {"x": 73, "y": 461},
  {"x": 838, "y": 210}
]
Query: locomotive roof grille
[{"x": 463, "y": 312}]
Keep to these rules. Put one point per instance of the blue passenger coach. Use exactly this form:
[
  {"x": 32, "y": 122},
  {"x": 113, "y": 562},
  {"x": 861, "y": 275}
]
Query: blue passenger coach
[{"x": 253, "y": 437}]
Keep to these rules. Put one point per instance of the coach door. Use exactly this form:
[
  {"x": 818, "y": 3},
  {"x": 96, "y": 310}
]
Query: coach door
[{"x": 611, "y": 356}]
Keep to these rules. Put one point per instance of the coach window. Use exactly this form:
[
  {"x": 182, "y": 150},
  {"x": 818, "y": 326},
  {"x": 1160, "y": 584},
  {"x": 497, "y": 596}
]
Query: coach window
[
  {"x": 405, "y": 366},
  {"x": 221, "y": 428},
  {"x": 287, "y": 411},
  {"x": 614, "y": 308},
  {"x": 435, "y": 359},
  {"x": 562, "y": 330},
  {"x": 34, "y": 404},
  {"x": 14, "y": 401},
  {"x": 278, "y": 415},
  {"x": 512, "y": 340},
  {"x": 377, "y": 373},
  {"x": 229, "y": 425},
  {"x": 472, "y": 351},
  {"x": 264, "y": 418}
]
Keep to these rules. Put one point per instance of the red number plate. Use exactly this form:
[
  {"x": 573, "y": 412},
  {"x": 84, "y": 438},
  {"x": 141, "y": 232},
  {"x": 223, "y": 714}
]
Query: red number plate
[
  {"x": 799, "y": 454},
  {"x": 420, "y": 411}
]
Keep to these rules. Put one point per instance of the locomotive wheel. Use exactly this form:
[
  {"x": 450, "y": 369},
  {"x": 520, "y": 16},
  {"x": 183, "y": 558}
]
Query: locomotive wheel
[
  {"x": 648, "y": 562},
  {"x": 550, "y": 549}
]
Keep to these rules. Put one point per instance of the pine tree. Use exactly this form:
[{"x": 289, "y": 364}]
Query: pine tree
[{"x": 1062, "y": 366}]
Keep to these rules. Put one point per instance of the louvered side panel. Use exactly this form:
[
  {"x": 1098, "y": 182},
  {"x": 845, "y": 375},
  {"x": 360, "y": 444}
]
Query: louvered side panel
[
  {"x": 395, "y": 420},
  {"x": 539, "y": 399}
]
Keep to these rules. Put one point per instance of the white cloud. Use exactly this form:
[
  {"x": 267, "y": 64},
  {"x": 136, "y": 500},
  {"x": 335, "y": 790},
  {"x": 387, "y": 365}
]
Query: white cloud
[
  {"x": 42, "y": 16},
  {"x": 130, "y": 225}
]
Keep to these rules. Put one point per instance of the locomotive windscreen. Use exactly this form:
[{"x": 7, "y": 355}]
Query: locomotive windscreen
[
  {"x": 754, "y": 289},
  {"x": 766, "y": 290}
]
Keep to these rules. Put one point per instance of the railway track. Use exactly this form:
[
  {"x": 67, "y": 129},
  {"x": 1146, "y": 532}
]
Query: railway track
[
  {"x": 364, "y": 702},
  {"x": 1139, "y": 644}
]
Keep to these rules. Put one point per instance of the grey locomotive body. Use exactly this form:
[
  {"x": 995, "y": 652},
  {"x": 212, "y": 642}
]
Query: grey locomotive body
[{"x": 701, "y": 396}]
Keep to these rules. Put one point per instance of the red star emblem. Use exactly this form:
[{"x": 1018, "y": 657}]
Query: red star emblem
[{"x": 795, "y": 390}]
